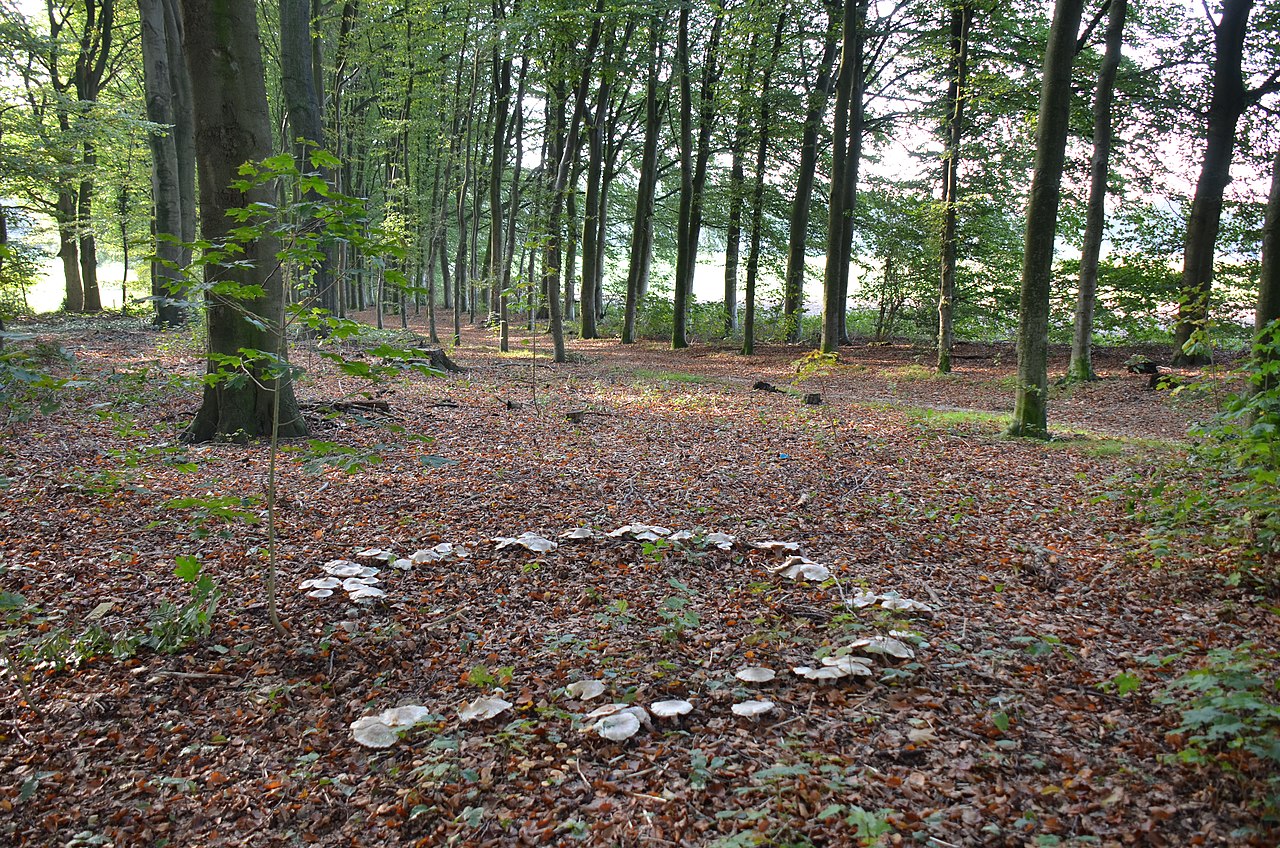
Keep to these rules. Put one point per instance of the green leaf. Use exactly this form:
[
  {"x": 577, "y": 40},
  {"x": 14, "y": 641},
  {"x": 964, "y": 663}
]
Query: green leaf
[
  {"x": 188, "y": 568},
  {"x": 12, "y": 601},
  {"x": 437, "y": 461}
]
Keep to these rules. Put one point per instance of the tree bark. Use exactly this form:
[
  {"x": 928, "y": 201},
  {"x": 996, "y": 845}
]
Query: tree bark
[
  {"x": 68, "y": 246},
  {"x": 642, "y": 226},
  {"x": 303, "y": 100},
  {"x": 1081, "y": 367},
  {"x": 957, "y": 72},
  {"x": 1268, "y": 313},
  {"x": 737, "y": 184},
  {"x": 797, "y": 240},
  {"x": 233, "y": 126},
  {"x": 1030, "y": 408},
  {"x": 693, "y": 173},
  {"x": 757, "y": 193},
  {"x": 685, "y": 215},
  {"x": 1226, "y": 105},
  {"x": 846, "y": 149},
  {"x": 168, "y": 285}
]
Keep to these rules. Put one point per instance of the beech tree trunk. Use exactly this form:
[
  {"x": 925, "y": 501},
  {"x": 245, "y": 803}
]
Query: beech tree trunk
[
  {"x": 88, "y": 243},
  {"x": 1268, "y": 313},
  {"x": 233, "y": 126},
  {"x": 1081, "y": 367},
  {"x": 846, "y": 147},
  {"x": 1226, "y": 106},
  {"x": 757, "y": 194},
  {"x": 797, "y": 241},
  {"x": 1030, "y": 408},
  {"x": 642, "y": 226},
  {"x": 304, "y": 100},
  {"x": 167, "y": 271},
  {"x": 957, "y": 73},
  {"x": 68, "y": 246}
]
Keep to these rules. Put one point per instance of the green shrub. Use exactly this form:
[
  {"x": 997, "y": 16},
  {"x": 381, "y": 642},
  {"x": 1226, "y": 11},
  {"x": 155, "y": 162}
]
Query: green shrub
[
  {"x": 1226, "y": 490},
  {"x": 1230, "y": 714}
]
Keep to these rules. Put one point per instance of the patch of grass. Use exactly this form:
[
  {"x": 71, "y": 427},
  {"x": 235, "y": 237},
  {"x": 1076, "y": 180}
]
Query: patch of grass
[
  {"x": 946, "y": 419},
  {"x": 1007, "y": 383},
  {"x": 523, "y": 352},
  {"x": 913, "y": 373},
  {"x": 667, "y": 376},
  {"x": 1101, "y": 445}
]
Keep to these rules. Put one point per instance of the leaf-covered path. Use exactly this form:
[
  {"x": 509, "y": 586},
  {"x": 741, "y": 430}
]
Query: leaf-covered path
[{"x": 1029, "y": 713}]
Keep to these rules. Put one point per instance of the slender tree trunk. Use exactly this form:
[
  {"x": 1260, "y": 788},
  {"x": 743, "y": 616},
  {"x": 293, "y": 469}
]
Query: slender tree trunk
[
  {"x": 680, "y": 311},
  {"x": 693, "y": 169},
  {"x": 303, "y": 99},
  {"x": 591, "y": 231},
  {"x": 958, "y": 66},
  {"x": 793, "y": 281},
  {"x": 1268, "y": 313},
  {"x": 1081, "y": 367},
  {"x": 757, "y": 193},
  {"x": 167, "y": 205},
  {"x": 1225, "y": 108},
  {"x": 1030, "y": 409},
  {"x": 737, "y": 182},
  {"x": 571, "y": 246},
  {"x": 497, "y": 162},
  {"x": 568, "y": 147},
  {"x": 845, "y": 150},
  {"x": 642, "y": 226},
  {"x": 513, "y": 213},
  {"x": 88, "y": 242}
]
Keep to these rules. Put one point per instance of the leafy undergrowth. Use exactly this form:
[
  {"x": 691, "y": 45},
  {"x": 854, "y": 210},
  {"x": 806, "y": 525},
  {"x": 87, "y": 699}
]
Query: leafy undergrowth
[{"x": 1043, "y": 703}]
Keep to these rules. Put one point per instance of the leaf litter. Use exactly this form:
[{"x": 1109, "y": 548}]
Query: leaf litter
[{"x": 986, "y": 719}]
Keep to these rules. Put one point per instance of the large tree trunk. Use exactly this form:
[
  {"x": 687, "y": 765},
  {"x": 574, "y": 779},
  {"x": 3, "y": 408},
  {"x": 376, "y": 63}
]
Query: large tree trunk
[
  {"x": 591, "y": 231},
  {"x": 233, "y": 126},
  {"x": 1081, "y": 367},
  {"x": 1029, "y": 414},
  {"x": 1225, "y": 108},
  {"x": 92, "y": 62},
  {"x": 957, "y": 71},
  {"x": 793, "y": 281},
  {"x": 184, "y": 127}
]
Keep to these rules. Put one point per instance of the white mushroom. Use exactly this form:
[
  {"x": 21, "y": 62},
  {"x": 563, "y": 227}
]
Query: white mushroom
[
  {"x": 751, "y": 709},
  {"x": 617, "y": 727},
  {"x": 585, "y": 690},
  {"x": 756, "y": 674},
  {"x": 482, "y": 709},
  {"x": 372, "y": 732},
  {"x": 670, "y": 709}
]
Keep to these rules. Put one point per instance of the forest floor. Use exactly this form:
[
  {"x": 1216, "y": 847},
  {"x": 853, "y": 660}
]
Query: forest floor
[{"x": 1032, "y": 711}]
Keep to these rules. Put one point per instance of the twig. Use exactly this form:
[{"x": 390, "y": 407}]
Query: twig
[
  {"x": 16, "y": 674},
  {"x": 189, "y": 675}
]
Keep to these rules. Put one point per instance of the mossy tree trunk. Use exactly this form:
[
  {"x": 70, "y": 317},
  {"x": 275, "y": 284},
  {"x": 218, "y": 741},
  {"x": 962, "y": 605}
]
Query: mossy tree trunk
[{"x": 1030, "y": 407}]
